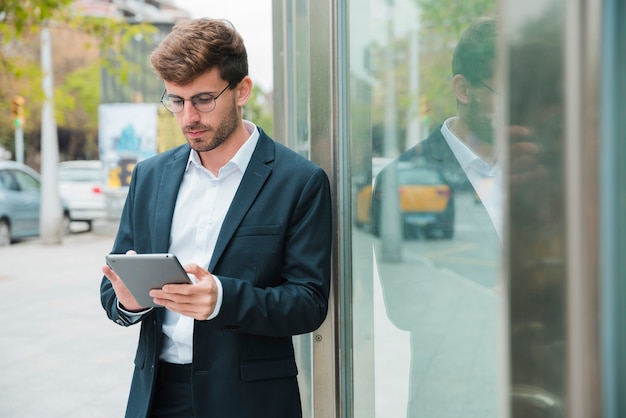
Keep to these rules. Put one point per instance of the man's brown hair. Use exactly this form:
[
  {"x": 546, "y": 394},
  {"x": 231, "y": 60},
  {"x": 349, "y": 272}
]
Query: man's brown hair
[
  {"x": 475, "y": 53},
  {"x": 196, "y": 46}
]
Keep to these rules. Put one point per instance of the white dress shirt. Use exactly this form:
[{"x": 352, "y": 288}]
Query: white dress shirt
[
  {"x": 486, "y": 179},
  {"x": 201, "y": 206}
]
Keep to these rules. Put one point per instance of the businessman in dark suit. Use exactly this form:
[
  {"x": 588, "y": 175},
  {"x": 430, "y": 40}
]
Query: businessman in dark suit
[{"x": 251, "y": 222}]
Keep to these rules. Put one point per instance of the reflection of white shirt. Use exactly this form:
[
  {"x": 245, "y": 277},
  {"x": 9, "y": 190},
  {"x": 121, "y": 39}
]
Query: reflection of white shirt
[{"x": 486, "y": 180}]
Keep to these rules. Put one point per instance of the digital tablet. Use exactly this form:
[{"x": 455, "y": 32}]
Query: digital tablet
[{"x": 143, "y": 272}]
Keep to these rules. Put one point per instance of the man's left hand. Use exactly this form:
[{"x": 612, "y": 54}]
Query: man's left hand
[{"x": 196, "y": 300}]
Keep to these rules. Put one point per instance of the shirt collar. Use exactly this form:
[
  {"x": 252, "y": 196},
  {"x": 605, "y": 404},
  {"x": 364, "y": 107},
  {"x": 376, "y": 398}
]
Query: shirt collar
[
  {"x": 243, "y": 155},
  {"x": 464, "y": 154}
]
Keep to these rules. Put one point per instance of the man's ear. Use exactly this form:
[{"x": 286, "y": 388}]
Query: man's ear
[
  {"x": 461, "y": 88},
  {"x": 243, "y": 91}
]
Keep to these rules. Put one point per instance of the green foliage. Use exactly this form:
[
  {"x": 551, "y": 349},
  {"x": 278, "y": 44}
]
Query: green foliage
[
  {"x": 77, "y": 100},
  {"x": 20, "y": 17},
  {"x": 443, "y": 23},
  {"x": 258, "y": 111},
  {"x": 77, "y": 89},
  {"x": 447, "y": 19},
  {"x": 113, "y": 35}
]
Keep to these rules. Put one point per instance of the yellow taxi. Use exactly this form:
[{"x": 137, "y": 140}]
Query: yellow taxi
[{"x": 425, "y": 201}]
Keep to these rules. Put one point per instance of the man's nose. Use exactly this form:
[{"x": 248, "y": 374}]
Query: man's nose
[{"x": 190, "y": 114}]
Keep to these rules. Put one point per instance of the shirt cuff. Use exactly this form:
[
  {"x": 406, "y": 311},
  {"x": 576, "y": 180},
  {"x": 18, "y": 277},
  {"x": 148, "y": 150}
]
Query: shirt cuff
[
  {"x": 132, "y": 316},
  {"x": 218, "y": 304}
]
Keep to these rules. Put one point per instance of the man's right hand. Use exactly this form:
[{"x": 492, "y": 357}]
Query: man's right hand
[{"x": 124, "y": 297}]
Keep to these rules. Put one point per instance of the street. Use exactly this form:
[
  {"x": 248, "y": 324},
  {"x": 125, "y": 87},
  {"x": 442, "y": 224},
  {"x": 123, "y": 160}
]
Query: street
[
  {"x": 60, "y": 355},
  {"x": 436, "y": 322},
  {"x": 473, "y": 254}
]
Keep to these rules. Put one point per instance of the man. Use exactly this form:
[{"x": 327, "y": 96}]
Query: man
[
  {"x": 444, "y": 292},
  {"x": 462, "y": 148},
  {"x": 251, "y": 222}
]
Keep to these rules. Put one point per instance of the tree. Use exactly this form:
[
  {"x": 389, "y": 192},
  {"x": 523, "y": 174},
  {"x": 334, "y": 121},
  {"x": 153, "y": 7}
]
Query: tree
[
  {"x": 258, "y": 109},
  {"x": 81, "y": 44},
  {"x": 441, "y": 24},
  {"x": 444, "y": 21}
]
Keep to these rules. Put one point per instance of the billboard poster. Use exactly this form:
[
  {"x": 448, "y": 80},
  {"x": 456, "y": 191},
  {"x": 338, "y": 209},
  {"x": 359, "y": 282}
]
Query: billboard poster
[{"x": 127, "y": 134}]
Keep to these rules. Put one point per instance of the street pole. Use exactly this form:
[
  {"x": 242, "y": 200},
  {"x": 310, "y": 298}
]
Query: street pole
[
  {"x": 50, "y": 219},
  {"x": 414, "y": 131},
  {"x": 19, "y": 141},
  {"x": 17, "y": 115},
  {"x": 390, "y": 227}
]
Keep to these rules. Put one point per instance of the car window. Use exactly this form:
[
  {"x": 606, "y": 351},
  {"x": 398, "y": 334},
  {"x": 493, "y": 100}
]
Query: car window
[
  {"x": 419, "y": 176},
  {"x": 8, "y": 181},
  {"x": 26, "y": 182}
]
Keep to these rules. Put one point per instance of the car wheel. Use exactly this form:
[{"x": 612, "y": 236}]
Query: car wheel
[
  {"x": 448, "y": 233},
  {"x": 5, "y": 233},
  {"x": 430, "y": 232},
  {"x": 65, "y": 224},
  {"x": 437, "y": 232},
  {"x": 410, "y": 232}
]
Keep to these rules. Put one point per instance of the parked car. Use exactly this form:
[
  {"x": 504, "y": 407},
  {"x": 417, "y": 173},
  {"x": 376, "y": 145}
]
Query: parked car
[
  {"x": 364, "y": 193},
  {"x": 426, "y": 201},
  {"x": 81, "y": 185},
  {"x": 20, "y": 201}
]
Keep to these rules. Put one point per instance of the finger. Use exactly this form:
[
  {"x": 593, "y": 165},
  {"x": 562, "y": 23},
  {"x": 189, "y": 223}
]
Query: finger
[
  {"x": 110, "y": 274},
  {"x": 131, "y": 252},
  {"x": 187, "y": 309},
  {"x": 526, "y": 147},
  {"x": 199, "y": 272},
  {"x": 178, "y": 289},
  {"x": 124, "y": 296},
  {"x": 525, "y": 162},
  {"x": 519, "y": 131}
]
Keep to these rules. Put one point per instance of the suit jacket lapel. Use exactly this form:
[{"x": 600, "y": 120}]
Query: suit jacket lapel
[
  {"x": 439, "y": 151},
  {"x": 171, "y": 178},
  {"x": 253, "y": 179}
]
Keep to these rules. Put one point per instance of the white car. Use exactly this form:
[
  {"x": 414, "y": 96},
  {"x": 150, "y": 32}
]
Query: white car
[{"x": 81, "y": 186}]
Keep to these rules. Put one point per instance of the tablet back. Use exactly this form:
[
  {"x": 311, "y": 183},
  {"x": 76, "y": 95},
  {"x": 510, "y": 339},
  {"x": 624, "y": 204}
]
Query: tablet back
[{"x": 143, "y": 272}]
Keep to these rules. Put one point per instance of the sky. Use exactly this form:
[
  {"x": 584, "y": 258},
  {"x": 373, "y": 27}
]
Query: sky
[{"x": 253, "y": 20}]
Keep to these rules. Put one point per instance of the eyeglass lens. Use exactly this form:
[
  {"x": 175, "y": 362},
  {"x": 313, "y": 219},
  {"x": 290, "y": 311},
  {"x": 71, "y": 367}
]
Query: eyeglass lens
[{"x": 203, "y": 102}]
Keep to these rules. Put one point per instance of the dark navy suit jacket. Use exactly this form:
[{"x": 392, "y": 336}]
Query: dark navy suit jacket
[{"x": 273, "y": 259}]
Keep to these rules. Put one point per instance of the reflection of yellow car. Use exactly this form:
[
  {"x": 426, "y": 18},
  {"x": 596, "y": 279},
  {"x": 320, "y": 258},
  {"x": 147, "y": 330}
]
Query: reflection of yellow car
[
  {"x": 363, "y": 205},
  {"x": 426, "y": 201}
]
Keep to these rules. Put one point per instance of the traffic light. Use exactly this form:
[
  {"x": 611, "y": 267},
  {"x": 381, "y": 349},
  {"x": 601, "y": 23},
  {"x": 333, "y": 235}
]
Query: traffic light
[{"x": 17, "y": 110}]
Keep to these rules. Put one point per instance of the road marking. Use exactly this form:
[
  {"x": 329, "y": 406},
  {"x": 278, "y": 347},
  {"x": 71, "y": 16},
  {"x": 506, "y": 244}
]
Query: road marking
[
  {"x": 472, "y": 261},
  {"x": 450, "y": 250}
]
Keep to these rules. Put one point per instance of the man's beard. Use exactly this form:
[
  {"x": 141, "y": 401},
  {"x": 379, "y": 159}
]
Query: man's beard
[
  {"x": 479, "y": 121},
  {"x": 220, "y": 134}
]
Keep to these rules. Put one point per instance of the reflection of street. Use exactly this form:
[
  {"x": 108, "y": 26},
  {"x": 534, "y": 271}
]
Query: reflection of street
[
  {"x": 471, "y": 254},
  {"x": 437, "y": 319}
]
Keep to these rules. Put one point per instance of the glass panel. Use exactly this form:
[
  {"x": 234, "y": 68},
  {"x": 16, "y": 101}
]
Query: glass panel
[
  {"x": 537, "y": 217},
  {"x": 292, "y": 127},
  {"x": 362, "y": 374},
  {"x": 427, "y": 320},
  {"x": 613, "y": 204}
]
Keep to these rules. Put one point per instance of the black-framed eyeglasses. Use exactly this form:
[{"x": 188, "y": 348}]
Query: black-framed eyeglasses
[
  {"x": 487, "y": 87},
  {"x": 203, "y": 102}
]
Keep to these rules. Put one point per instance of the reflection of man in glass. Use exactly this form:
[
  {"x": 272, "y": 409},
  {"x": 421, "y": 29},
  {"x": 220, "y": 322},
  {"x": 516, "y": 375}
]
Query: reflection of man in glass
[{"x": 445, "y": 291}]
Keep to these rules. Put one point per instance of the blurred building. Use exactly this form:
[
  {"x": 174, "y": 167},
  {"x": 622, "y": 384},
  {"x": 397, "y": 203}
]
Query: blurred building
[{"x": 141, "y": 85}]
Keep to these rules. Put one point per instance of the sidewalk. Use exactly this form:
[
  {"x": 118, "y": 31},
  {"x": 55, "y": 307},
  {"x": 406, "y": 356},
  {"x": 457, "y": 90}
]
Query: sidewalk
[{"x": 60, "y": 356}]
